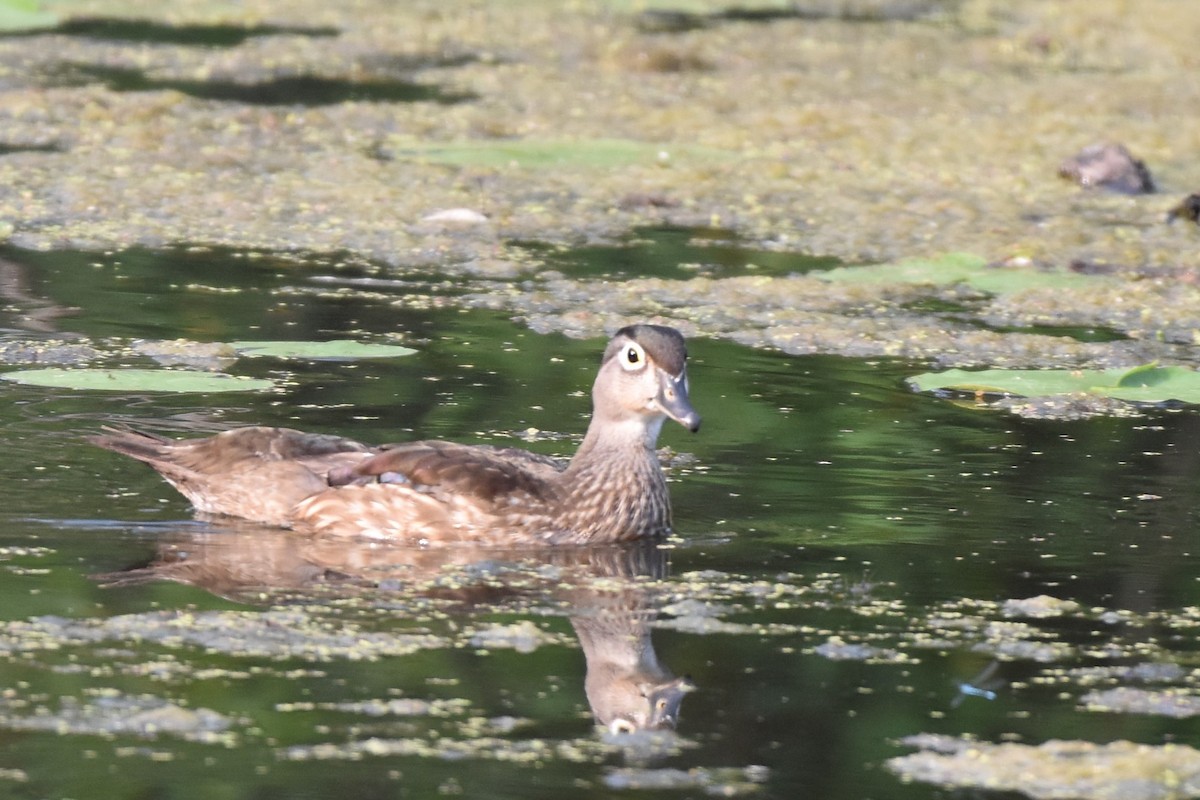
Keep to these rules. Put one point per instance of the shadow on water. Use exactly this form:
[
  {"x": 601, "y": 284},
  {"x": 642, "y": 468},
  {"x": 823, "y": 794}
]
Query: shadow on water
[
  {"x": 127, "y": 30},
  {"x": 672, "y": 252},
  {"x": 302, "y": 90},
  {"x": 115, "y": 29},
  {"x": 7, "y": 148},
  {"x": 672, "y": 21},
  {"x": 857, "y": 564}
]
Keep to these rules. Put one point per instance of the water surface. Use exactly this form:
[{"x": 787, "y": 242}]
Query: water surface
[{"x": 845, "y": 547}]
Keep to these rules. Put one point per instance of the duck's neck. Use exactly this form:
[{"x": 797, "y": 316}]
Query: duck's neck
[
  {"x": 617, "y": 439},
  {"x": 614, "y": 490}
]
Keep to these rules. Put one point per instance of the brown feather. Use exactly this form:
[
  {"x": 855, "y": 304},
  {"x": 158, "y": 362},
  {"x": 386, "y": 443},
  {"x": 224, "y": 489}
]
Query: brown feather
[{"x": 479, "y": 471}]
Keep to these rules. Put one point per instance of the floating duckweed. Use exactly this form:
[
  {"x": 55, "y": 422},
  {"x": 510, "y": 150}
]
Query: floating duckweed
[
  {"x": 838, "y": 650},
  {"x": 1040, "y": 607},
  {"x": 115, "y": 714},
  {"x": 704, "y": 625},
  {"x": 1149, "y": 672},
  {"x": 46, "y": 352},
  {"x": 1127, "y": 700},
  {"x": 526, "y": 751},
  {"x": 718, "y": 781},
  {"x": 1055, "y": 769},
  {"x": 270, "y": 634},
  {"x": 524, "y": 637},
  {"x": 9, "y": 551},
  {"x": 395, "y": 707}
]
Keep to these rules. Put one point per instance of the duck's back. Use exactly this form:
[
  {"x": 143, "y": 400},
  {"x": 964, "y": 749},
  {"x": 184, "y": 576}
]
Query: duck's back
[{"x": 435, "y": 492}]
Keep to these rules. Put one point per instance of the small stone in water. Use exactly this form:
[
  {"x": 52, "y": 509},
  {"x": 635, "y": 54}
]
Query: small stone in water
[{"x": 461, "y": 216}]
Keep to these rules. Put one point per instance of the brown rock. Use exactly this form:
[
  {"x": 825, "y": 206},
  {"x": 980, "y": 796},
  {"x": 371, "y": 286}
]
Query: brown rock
[
  {"x": 1188, "y": 208},
  {"x": 1110, "y": 166}
]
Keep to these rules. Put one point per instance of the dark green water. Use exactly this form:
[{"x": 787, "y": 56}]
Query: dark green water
[{"x": 875, "y": 509}]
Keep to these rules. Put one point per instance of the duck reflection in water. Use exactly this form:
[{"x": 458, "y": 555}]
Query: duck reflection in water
[{"x": 606, "y": 592}]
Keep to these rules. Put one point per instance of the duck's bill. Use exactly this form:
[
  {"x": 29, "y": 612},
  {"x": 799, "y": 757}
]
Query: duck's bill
[
  {"x": 665, "y": 701},
  {"x": 673, "y": 400}
]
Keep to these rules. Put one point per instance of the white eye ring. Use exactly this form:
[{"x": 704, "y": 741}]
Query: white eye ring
[
  {"x": 633, "y": 357},
  {"x": 619, "y": 726}
]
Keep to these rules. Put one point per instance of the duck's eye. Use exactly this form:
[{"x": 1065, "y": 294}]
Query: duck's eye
[{"x": 633, "y": 357}]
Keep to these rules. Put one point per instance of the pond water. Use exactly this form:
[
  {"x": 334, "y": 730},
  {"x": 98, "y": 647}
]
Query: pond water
[{"x": 855, "y": 564}]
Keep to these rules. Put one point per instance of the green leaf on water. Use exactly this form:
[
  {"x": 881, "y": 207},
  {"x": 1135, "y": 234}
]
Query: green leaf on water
[
  {"x": 541, "y": 153},
  {"x": 701, "y": 6},
  {"x": 337, "y": 350},
  {"x": 1019, "y": 382},
  {"x": 949, "y": 268},
  {"x": 1148, "y": 383},
  {"x": 136, "y": 380},
  {"x": 1146, "y": 375},
  {"x": 1158, "y": 384},
  {"x": 955, "y": 268},
  {"x": 20, "y": 15}
]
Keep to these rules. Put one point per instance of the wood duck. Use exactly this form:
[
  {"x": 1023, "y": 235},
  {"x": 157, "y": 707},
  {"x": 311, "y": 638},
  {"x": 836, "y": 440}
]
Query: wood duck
[{"x": 434, "y": 493}]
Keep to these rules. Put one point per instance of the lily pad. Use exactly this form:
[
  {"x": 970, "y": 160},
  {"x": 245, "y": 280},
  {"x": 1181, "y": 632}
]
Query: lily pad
[
  {"x": 536, "y": 153},
  {"x": 337, "y": 350},
  {"x": 955, "y": 268},
  {"x": 701, "y": 6},
  {"x": 136, "y": 380},
  {"x": 18, "y": 15},
  {"x": 1149, "y": 383}
]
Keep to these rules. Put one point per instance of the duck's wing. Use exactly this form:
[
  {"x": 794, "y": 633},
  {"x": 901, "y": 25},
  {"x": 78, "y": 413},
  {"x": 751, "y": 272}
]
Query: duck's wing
[
  {"x": 435, "y": 493},
  {"x": 255, "y": 473},
  {"x": 479, "y": 472}
]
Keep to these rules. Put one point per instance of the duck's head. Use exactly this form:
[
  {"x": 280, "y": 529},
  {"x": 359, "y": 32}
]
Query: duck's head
[{"x": 643, "y": 378}]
